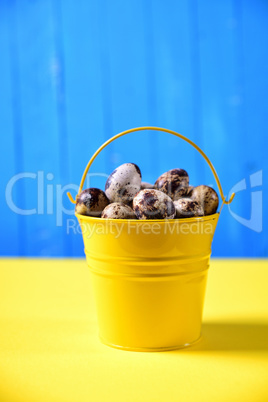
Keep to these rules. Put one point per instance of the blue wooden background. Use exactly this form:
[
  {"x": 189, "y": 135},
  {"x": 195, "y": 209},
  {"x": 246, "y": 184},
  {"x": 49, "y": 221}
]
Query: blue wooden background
[{"x": 74, "y": 73}]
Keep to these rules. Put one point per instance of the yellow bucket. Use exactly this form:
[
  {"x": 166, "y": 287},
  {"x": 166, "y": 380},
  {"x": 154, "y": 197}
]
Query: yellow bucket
[{"x": 149, "y": 277}]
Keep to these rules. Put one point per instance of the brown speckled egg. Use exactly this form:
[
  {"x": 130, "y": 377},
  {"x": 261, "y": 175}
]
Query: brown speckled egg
[
  {"x": 145, "y": 185},
  {"x": 171, "y": 181},
  {"x": 118, "y": 210},
  {"x": 187, "y": 208},
  {"x": 123, "y": 183},
  {"x": 91, "y": 202},
  {"x": 153, "y": 204},
  {"x": 207, "y": 197},
  {"x": 183, "y": 192}
]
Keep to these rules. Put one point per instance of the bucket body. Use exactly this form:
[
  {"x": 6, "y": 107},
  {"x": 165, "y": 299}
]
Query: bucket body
[{"x": 149, "y": 279}]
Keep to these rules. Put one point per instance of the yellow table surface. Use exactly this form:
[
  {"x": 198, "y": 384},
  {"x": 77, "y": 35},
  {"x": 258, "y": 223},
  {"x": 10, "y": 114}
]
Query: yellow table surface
[{"x": 50, "y": 351}]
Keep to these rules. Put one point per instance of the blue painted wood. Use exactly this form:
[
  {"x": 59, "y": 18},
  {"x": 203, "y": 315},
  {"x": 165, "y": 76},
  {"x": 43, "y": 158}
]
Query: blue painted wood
[
  {"x": 85, "y": 100},
  {"x": 39, "y": 125},
  {"x": 222, "y": 32},
  {"x": 63, "y": 134},
  {"x": 75, "y": 73},
  {"x": 173, "y": 67},
  {"x": 254, "y": 45},
  {"x": 220, "y": 125},
  {"x": 126, "y": 103},
  {"x": 10, "y": 243}
]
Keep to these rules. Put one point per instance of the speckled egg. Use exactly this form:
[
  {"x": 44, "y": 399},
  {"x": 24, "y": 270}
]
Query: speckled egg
[
  {"x": 153, "y": 204},
  {"x": 145, "y": 185},
  {"x": 118, "y": 210},
  {"x": 187, "y": 208},
  {"x": 91, "y": 202},
  {"x": 171, "y": 181},
  {"x": 207, "y": 197},
  {"x": 123, "y": 183},
  {"x": 183, "y": 192}
]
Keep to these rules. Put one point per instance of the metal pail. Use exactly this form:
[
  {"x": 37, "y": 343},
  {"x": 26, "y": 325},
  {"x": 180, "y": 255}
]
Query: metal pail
[{"x": 149, "y": 277}]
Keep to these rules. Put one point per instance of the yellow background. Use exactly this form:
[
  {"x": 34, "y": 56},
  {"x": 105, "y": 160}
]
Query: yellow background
[{"x": 50, "y": 351}]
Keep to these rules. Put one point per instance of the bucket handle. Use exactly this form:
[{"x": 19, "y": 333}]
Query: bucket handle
[{"x": 132, "y": 130}]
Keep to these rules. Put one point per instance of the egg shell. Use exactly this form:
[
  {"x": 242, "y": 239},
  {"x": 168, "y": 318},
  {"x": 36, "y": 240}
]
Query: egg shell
[
  {"x": 183, "y": 192},
  {"x": 91, "y": 202},
  {"x": 153, "y": 204},
  {"x": 187, "y": 208},
  {"x": 170, "y": 182},
  {"x": 123, "y": 183},
  {"x": 207, "y": 197},
  {"x": 145, "y": 184},
  {"x": 118, "y": 210}
]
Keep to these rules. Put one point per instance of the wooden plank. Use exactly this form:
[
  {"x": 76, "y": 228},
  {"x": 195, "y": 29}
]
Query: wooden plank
[
  {"x": 39, "y": 125},
  {"x": 59, "y": 90},
  {"x": 221, "y": 123},
  {"x": 126, "y": 94},
  {"x": 172, "y": 66},
  {"x": 85, "y": 97},
  {"x": 253, "y": 33},
  {"x": 10, "y": 165}
]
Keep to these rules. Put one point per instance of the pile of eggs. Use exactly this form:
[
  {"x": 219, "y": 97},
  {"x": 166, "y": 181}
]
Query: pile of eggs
[{"x": 127, "y": 197}]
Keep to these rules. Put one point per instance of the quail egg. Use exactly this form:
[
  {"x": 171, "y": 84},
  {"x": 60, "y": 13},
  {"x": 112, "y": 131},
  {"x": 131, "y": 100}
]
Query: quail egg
[
  {"x": 187, "y": 208},
  {"x": 145, "y": 185},
  {"x": 123, "y": 183},
  {"x": 207, "y": 197},
  {"x": 118, "y": 210},
  {"x": 171, "y": 181},
  {"x": 183, "y": 192},
  {"x": 153, "y": 204},
  {"x": 91, "y": 202}
]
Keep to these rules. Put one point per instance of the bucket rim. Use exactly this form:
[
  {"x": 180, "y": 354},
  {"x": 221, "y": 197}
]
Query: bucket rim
[{"x": 95, "y": 219}]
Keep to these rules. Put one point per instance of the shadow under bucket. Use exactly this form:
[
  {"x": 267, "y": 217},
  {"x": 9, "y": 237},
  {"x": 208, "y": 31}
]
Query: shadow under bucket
[{"x": 149, "y": 276}]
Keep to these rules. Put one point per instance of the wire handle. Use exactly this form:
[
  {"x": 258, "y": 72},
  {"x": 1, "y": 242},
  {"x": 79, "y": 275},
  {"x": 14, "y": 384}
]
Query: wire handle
[{"x": 132, "y": 130}]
